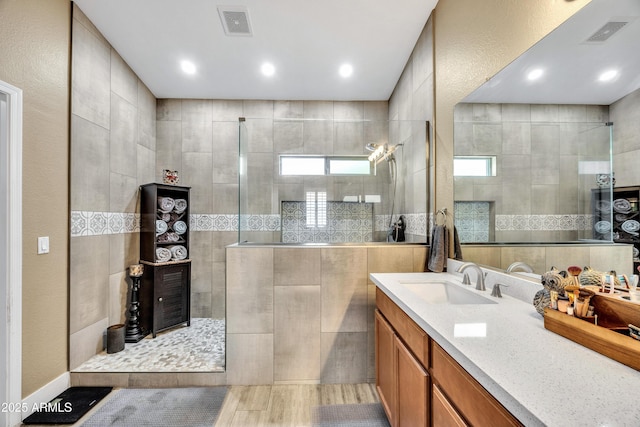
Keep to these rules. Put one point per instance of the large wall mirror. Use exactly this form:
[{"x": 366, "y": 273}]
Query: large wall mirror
[{"x": 533, "y": 145}]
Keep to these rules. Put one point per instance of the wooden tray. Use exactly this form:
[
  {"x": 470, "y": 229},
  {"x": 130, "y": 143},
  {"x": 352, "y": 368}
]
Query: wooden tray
[{"x": 612, "y": 344}]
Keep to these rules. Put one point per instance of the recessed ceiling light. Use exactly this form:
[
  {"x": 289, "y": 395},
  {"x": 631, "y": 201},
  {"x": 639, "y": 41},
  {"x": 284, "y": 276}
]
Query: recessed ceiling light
[
  {"x": 608, "y": 75},
  {"x": 268, "y": 69},
  {"x": 346, "y": 70},
  {"x": 188, "y": 67},
  {"x": 535, "y": 74}
]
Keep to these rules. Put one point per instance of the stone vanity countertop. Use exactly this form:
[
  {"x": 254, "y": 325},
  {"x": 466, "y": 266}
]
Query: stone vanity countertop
[{"x": 542, "y": 378}]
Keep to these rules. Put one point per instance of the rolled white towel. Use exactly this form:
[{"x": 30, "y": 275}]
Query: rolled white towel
[
  {"x": 161, "y": 226},
  {"x": 180, "y": 205},
  {"x": 180, "y": 227},
  {"x": 168, "y": 237},
  {"x": 178, "y": 252},
  {"x": 166, "y": 204},
  {"x": 163, "y": 255}
]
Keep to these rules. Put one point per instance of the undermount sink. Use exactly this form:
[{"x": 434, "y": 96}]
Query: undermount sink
[{"x": 443, "y": 292}]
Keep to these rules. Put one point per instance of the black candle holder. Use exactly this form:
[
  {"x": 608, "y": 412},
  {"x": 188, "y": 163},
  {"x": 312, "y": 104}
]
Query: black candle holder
[{"x": 134, "y": 331}]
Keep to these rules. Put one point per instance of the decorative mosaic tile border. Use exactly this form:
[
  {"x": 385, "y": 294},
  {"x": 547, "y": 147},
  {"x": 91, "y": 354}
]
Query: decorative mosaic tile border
[
  {"x": 341, "y": 222},
  {"x": 544, "y": 222},
  {"x": 84, "y": 223},
  {"x": 87, "y": 223}
]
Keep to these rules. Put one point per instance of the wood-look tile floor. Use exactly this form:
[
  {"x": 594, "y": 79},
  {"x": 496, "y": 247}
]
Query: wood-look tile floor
[
  {"x": 287, "y": 405},
  {"x": 275, "y": 405}
]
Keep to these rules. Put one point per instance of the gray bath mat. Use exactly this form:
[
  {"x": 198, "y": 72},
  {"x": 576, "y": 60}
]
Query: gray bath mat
[
  {"x": 356, "y": 415},
  {"x": 175, "y": 407}
]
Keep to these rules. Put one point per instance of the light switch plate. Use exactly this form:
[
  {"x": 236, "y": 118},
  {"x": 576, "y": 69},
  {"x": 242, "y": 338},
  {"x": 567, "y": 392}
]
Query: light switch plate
[{"x": 43, "y": 245}]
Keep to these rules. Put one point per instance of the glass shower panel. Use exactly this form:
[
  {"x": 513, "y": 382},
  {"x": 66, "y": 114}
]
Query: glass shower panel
[
  {"x": 283, "y": 201},
  {"x": 596, "y": 181}
]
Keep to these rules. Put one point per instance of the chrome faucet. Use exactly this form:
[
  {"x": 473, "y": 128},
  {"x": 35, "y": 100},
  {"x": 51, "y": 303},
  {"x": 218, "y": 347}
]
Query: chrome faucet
[
  {"x": 522, "y": 266},
  {"x": 479, "y": 274}
]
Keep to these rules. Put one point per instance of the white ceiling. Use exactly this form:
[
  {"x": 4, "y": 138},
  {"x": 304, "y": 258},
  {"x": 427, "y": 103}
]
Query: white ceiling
[
  {"x": 572, "y": 66},
  {"x": 307, "y": 41}
]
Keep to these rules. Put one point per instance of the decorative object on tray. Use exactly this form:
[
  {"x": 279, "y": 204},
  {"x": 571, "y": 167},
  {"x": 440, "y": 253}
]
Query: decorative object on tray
[
  {"x": 180, "y": 227},
  {"x": 622, "y": 206},
  {"x": 166, "y": 204},
  {"x": 553, "y": 280},
  {"x": 541, "y": 300},
  {"x": 170, "y": 177},
  {"x": 604, "y": 180},
  {"x": 591, "y": 277}
]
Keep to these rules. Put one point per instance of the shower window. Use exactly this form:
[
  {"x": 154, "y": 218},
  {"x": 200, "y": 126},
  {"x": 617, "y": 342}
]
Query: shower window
[
  {"x": 325, "y": 165},
  {"x": 474, "y": 166},
  {"x": 316, "y": 209},
  {"x": 302, "y": 165}
]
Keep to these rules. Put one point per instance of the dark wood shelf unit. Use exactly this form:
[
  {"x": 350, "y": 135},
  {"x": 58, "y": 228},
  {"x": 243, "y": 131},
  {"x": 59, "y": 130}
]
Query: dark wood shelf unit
[
  {"x": 618, "y": 234},
  {"x": 165, "y": 291},
  {"x": 165, "y": 296}
]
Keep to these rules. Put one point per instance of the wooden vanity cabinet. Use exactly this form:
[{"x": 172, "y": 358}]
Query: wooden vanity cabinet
[
  {"x": 419, "y": 384},
  {"x": 443, "y": 414},
  {"x": 402, "y": 379},
  {"x": 385, "y": 366},
  {"x": 412, "y": 388},
  {"x": 472, "y": 402}
]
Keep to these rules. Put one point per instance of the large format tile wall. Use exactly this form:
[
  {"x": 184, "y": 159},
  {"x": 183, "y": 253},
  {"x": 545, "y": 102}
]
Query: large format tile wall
[
  {"x": 601, "y": 257},
  {"x": 538, "y": 148},
  {"x": 113, "y": 138},
  {"x": 305, "y": 314},
  {"x": 625, "y": 115},
  {"x": 115, "y": 117}
]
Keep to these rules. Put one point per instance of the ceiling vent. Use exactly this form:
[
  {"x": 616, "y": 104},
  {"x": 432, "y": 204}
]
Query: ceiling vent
[
  {"x": 235, "y": 20},
  {"x": 609, "y": 29}
]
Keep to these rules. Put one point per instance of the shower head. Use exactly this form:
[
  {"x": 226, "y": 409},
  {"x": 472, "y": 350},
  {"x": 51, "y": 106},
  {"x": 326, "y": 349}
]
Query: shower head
[
  {"x": 372, "y": 146},
  {"x": 381, "y": 152}
]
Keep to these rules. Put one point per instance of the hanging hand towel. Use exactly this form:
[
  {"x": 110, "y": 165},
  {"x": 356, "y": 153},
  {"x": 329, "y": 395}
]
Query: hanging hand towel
[
  {"x": 439, "y": 250},
  {"x": 457, "y": 248}
]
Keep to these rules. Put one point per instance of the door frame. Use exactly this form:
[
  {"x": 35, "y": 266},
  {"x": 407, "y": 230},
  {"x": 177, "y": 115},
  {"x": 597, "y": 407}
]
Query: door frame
[{"x": 12, "y": 312}]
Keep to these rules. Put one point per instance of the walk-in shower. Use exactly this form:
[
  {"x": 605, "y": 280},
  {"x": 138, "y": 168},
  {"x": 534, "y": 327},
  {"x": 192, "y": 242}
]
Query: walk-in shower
[
  {"x": 395, "y": 230},
  {"x": 322, "y": 180}
]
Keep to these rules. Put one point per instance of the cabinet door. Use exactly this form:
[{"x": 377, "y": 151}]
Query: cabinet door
[
  {"x": 413, "y": 389},
  {"x": 443, "y": 414},
  {"x": 385, "y": 366},
  {"x": 472, "y": 401},
  {"x": 172, "y": 293}
]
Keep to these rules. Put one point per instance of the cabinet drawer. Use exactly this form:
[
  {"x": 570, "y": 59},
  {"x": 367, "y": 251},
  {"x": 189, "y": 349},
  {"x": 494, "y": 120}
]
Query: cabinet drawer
[
  {"x": 470, "y": 399},
  {"x": 442, "y": 413},
  {"x": 415, "y": 338}
]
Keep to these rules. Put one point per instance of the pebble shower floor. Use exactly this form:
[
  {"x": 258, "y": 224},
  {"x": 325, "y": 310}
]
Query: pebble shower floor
[{"x": 199, "y": 347}]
